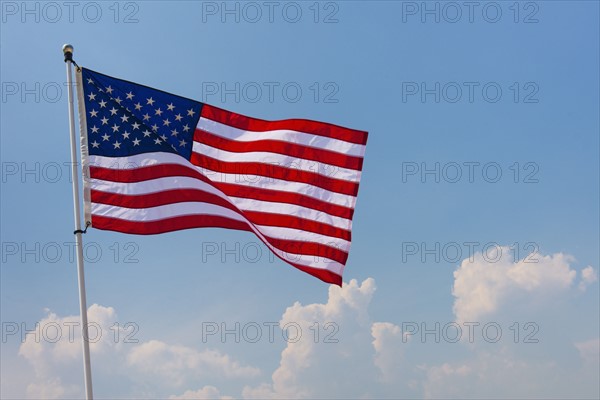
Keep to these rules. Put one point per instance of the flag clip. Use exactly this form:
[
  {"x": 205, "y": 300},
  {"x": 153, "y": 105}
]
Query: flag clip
[{"x": 87, "y": 224}]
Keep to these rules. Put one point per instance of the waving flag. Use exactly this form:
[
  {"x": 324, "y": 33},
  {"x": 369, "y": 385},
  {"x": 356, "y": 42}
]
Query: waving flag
[{"x": 155, "y": 162}]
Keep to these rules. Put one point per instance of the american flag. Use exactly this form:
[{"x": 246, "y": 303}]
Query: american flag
[{"x": 155, "y": 162}]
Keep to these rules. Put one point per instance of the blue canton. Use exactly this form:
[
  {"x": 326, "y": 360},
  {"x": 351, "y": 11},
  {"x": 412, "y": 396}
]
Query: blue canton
[{"x": 125, "y": 118}]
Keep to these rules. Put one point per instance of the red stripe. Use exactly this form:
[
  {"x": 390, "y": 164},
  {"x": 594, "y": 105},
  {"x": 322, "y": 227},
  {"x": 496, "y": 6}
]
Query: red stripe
[
  {"x": 141, "y": 174},
  {"x": 291, "y": 221},
  {"x": 168, "y": 197},
  {"x": 197, "y": 221},
  {"x": 195, "y": 195},
  {"x": 167, "y": 225},
  {"x": 160, "y": 199},
  {"x": 302, "y": 125},
  {"x": 165, "y": 170},
  {"x": 276, "y": 172},
  {"x": 298, "y": 199},
  {"x": 323, "y": 274},
  {"x": 279, "y": 147},
  {"x": 326, "y": 250}
]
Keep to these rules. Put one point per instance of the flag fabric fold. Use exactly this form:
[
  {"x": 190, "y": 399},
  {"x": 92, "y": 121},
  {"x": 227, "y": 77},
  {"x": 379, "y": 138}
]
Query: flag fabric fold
[{"x": 154, "y": 162}]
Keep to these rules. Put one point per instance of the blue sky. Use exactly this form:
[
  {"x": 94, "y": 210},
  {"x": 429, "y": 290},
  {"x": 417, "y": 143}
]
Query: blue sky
[{"x": 498, "y": 102}]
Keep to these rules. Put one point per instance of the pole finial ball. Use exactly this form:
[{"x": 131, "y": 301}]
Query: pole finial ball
[{"x": 67, "y": 48}]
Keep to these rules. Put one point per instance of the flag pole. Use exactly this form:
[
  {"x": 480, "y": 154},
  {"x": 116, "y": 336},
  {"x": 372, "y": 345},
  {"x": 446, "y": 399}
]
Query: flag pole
[{"x": 87, "y": 367}]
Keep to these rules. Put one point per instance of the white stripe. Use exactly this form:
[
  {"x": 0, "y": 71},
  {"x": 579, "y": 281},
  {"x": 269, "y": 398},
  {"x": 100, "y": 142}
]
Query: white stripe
[
  {"x": 167, "y": 183},
  {"x": 155, "y": 186},
  {"x": 237, "y": 179},
  {"x": 164, "y": 211},
  {"x": 302, "y": 138},
  {"x": 138, "y": 160},
  {"x": 256, "y": 181},
  {"x": 304, "y": 236},
  {"x": 245, "y": 204},
  {"x": 189, "y": 208},
  {"x": 275, "y": 159}
]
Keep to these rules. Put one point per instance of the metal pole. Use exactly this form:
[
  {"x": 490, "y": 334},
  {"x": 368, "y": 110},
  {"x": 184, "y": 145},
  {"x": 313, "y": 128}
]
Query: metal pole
[{"x": 87, "y": 367}]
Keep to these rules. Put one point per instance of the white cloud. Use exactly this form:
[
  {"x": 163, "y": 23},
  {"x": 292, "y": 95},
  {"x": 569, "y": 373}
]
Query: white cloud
[
  {"x": 55, "y": 344},
  {"x": 501, "y": 288},
  {"x": 588, "y": 276},
  {"x": 388, "y": 345},
  {"x": 334, "y": 366},
  {"x": 339, "y": 352},
  {"x": 497, "y": 373},
  {"x": 589, "y": 350},
  {"x": 54, "y": 352},
  {"x": 205, "y": 393},
  {"x": 180, "y": 363},
  {"x": 51, "y": 388},
  {"x": 483, "y": 284}
]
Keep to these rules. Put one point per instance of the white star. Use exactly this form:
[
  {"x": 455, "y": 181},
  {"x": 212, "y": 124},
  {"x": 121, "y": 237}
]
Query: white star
[
  {"x": 158, "y": 111},
  {"x": 93, "y": 113},
  {"x": 135, "y": 126},
  {"x": 105, "y": 137},
  {"x": 90, "y": 80},
  {"x": 163, "y": 137},
  {"x": 174, "y": 132},
  {"x": 157, "y": 141},
  {"x": 154, "y": 127},
  {"x": 109, "y": 90},
  {"x": 136, "y": 142},
  {"x": 115, "y": 128},
  {"x": 150, "y": 101},
  {"x": 170, "y": 107},
  {"x": 178, "y": 117},
  {"x": 104, "y": 121},
  {"x": 186, "y": 128},
  {"x": 138, "y": 106},
  {"x": 113, "y": 111},
  {"x": 117, "y": 145},
  {"x": 124, "y": 118},
  {"x": 95, "y": 144},
  {"x": 94, "y": 129},
  {"x": 191, "y": 112},
  {"x": 182, "y": 143},
  {"x": 92, "y": 96},
  {"x": 102, "y": 104},
  {"x": 166, "y": 122},
  {"x": 130, "y": 96},
  {"x": 146, "y": 117},
  {"x": 126, "y": 135},
  {"x": 147, "y": 133}
]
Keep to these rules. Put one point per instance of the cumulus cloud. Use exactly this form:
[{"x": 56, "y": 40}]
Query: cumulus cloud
[
  {"x": 589, "y": 350},
  {"x": 61, "y": 336},
  {"x": 485, "y": 283},
  {"x": 588, "y": 277},
  {"x": 387, "y": 342},
  {"x": 51, "y": 388},
  {"x": 53, "y": 349},
  {"x": 312, "y": 367},
  {"x": 55, "y": 343},
  {"x": 336, "y": 350},
  {"x": 497, "y": 285},
  {"x": 178, "y": 363},
  {"x": 205, "y": 393},
  {"x": 499, "y": 373}
]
